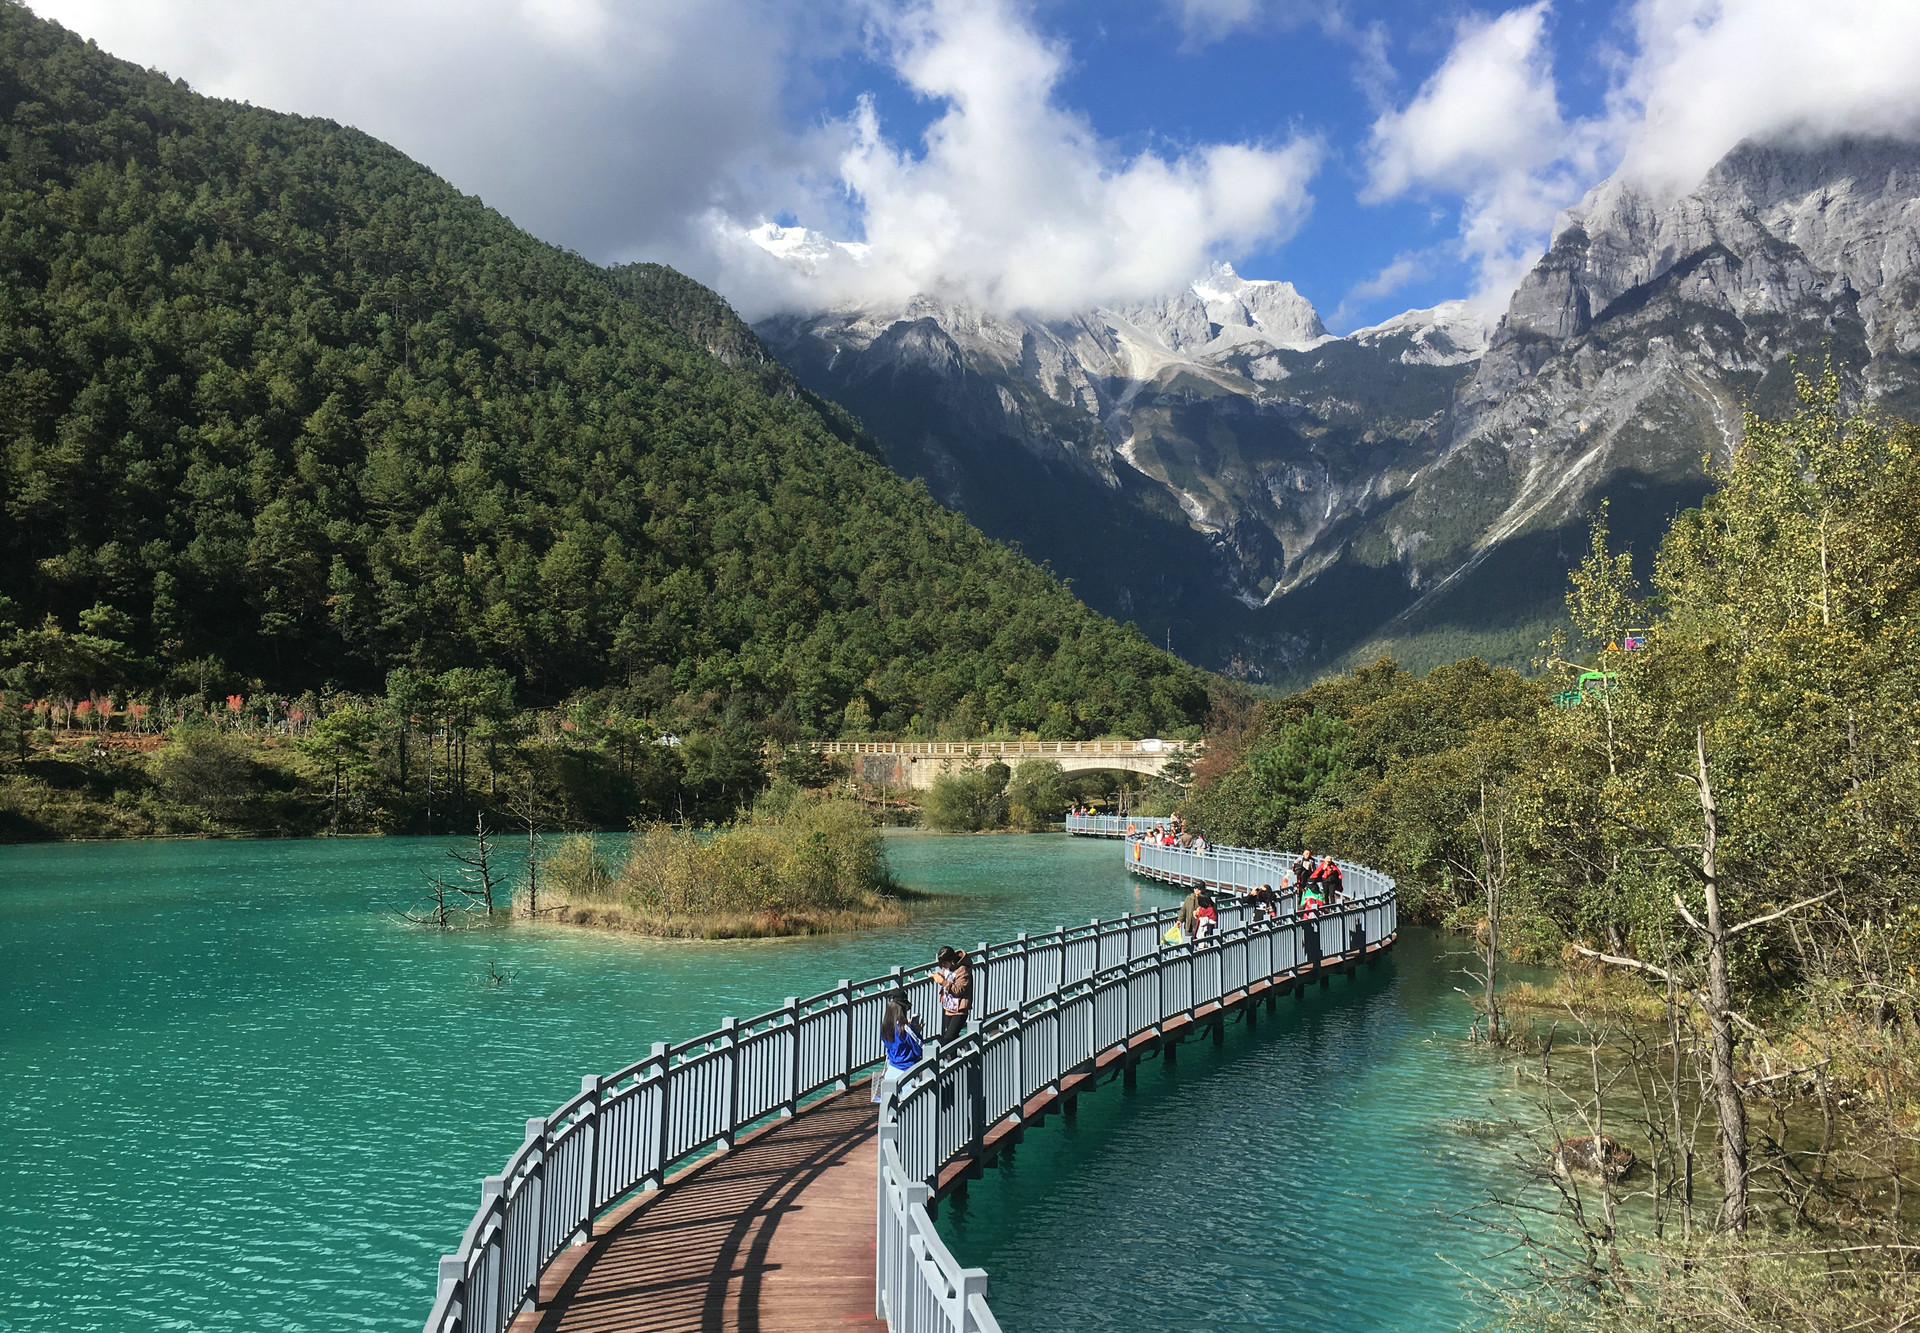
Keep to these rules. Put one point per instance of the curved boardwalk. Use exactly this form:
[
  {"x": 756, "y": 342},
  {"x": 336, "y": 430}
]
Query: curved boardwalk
[
  {"x": 815, "y": 1219},
  {"x": 777, "y": 1234}
]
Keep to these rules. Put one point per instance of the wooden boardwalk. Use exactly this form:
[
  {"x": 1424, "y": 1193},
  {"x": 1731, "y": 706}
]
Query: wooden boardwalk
[{"x": 776, "y": 1235}]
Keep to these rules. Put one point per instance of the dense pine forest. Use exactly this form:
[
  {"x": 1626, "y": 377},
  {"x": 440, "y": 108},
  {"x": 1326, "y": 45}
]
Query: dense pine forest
[
  {"x": 1705, "y": 808},
  {"x": 285, "y": 414}
]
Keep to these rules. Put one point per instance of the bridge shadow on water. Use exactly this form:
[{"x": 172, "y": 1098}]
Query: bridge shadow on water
[{"x": 1307, "y": 1168}]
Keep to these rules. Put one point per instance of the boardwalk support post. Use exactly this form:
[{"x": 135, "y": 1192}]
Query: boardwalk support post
[
  {"x": 590, "y": 1088},
  {"x": 844, "y": 998}
]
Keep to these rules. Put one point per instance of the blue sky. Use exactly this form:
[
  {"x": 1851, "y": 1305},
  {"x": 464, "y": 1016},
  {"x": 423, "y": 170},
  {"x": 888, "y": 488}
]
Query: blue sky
[
  {"x": 1048, "y": 155},
  {"x": 1264, "y": 80}
]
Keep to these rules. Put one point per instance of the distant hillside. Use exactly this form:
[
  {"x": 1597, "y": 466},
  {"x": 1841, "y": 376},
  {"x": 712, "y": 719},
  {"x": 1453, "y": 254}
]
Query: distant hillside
[{"x": 279, "y": 404}]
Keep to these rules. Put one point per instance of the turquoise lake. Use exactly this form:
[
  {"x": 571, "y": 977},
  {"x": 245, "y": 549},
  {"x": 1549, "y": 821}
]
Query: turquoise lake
[{"x": 238, "y": 1094}]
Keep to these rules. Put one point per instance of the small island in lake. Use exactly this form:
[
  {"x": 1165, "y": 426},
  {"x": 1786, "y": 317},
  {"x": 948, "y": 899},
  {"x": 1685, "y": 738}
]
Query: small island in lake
[{"x": 799, "y": 864}]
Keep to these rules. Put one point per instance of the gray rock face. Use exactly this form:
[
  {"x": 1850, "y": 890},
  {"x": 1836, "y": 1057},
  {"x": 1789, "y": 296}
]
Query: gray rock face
[
  {"x": 1636, "y": 345},
  {"x": 1417, "y": 486},
  {"x": 1221, "y": 428}
]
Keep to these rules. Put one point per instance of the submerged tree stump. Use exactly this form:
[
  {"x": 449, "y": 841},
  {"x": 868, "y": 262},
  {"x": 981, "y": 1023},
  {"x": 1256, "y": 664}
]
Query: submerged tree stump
[{"x": 1596, "y": 1157}]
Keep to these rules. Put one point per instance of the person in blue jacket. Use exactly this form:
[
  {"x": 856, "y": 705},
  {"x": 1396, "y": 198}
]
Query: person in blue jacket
[{"x": 900, "y": 1039}]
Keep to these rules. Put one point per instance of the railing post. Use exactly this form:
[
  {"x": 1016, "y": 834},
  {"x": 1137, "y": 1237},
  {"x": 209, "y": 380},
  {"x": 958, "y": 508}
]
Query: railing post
[
  {"x": 590, "y": 1087},
  {"x": 453, "y": 1273},
  {"x": 977, "y": 1089},
  {"x": 657, "y": 1131},
  {"x": 730, "y": 1043},
  {"x": 889, "y": 1133},
  {"x": 1026, "y": 963},
  {"x": 537, "y": 1182},
  {"x": 792, "y": 1102},
  {"x": 973, "y": 1282},
  {"x": 491, "y": 1188},
  {"x": 844, "y": 1001}
]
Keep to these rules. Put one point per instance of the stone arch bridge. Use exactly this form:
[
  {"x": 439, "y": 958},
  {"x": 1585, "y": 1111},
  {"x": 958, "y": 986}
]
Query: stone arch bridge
[{"x": 918, "y": 763}]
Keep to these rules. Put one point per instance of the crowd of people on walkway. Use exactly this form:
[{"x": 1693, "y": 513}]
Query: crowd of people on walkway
[
  {"x": 1170, "y": 832},
  {"x": 1316, "y": 880}
]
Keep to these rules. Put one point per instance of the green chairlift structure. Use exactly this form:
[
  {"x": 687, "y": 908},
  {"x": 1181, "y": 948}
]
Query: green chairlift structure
[{"x": 1591, "y": 685}]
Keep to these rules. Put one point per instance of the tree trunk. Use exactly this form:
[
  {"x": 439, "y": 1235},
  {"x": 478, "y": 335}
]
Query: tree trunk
[{"x": 1728, "y": 1103}]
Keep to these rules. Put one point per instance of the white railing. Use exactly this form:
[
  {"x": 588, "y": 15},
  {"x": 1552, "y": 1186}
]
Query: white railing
[
  {"x": 628, "y": 1130},
  {"x": 943, "y": 1109},
  {"x": 1115, "y": 826}
]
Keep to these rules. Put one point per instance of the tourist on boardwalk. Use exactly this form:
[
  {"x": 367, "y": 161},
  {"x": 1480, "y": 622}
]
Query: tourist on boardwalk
[
  {"x": 955, "y": 977},
  {"x": 1206, "y": 918},
  {"x": 1265, "y": 902},
  {"x": 1336, "y": 882},
  {"x": 1303, "y": 871},
  {"x": 1189, "y": 914},
  {"x": 900, "y": 1039},
  {"x": 1200, "y": 843},
  {"x": 1313, "y": 894}
]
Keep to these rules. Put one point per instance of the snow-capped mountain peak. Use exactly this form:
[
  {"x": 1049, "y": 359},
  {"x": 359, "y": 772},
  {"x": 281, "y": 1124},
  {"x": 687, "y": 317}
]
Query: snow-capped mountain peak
[
  {"x": 1449, "y": 334},
  {"x": 805, "y": 249}
]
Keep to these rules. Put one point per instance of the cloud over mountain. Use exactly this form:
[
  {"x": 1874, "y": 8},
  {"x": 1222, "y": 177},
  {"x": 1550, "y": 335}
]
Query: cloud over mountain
[
  {"x": 1694, "y": 78},
  {"x": 1015, "y": 202}
]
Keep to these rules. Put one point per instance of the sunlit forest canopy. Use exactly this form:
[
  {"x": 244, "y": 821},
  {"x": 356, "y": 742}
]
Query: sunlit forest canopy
[{"x": 280, "y": 405}]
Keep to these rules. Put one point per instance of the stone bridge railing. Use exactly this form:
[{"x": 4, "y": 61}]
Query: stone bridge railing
[{"x": 1045, "y": 1004}]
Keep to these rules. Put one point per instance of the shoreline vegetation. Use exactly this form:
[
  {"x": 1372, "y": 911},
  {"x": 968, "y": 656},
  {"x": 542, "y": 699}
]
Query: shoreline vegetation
[
  {"x": 799, "y": 864},
  {"x": 370, "y": 502},
  {"x": 1702, "y": 808}
]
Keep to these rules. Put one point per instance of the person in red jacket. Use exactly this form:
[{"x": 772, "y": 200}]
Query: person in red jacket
[{"x": 1206, "y": 918}]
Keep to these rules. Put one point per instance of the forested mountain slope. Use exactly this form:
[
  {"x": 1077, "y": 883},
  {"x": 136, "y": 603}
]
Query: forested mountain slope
[{"x": 279, "y": 404}]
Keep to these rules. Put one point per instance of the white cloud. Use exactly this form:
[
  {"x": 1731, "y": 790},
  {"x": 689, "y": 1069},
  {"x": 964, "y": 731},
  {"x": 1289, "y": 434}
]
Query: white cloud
[
  {"x": 1711, "y": 73},
  {"x": 1409, "y": 266},
  {"x": 1015, "y": 202},
  {"x": 1487, "y": 126},
  {"x": 1700, "y": 77},
  {"x": 1211, "y": 20},
  {"x": 609, "y": 127}
]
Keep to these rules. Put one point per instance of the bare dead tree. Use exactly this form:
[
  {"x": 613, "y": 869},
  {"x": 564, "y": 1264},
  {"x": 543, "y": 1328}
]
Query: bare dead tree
[
  {"x": 1488, "y": 872},
  {"x": 442, "y": 908},
  {"x": 527, "y": 807},
  {"x": 477, "y": 869},
  {"x": 1722, "y": 1044}
]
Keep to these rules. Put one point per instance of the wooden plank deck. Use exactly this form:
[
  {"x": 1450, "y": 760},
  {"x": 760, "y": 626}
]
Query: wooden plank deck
[{"x": 776, "y": 1235}]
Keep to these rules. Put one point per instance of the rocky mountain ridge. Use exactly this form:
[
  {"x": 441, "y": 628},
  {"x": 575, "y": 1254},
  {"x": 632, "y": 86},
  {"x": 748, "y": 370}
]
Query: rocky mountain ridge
[{"x": 1220, "y": 468}]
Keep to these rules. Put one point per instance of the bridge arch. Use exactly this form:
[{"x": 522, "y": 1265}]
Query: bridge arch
[{"x": 918, "y": 763}]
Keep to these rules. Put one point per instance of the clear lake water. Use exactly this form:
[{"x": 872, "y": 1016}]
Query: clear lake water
[{"x": 238, "y": 1094}]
